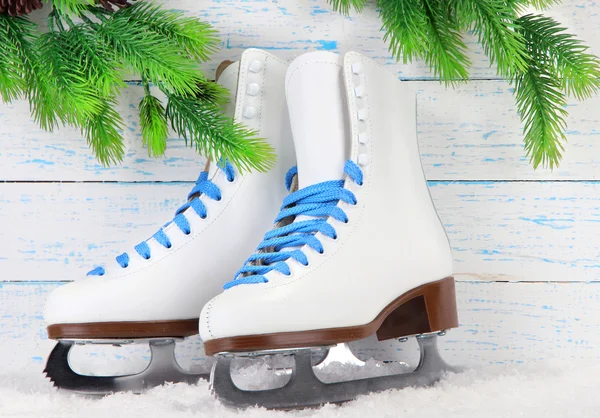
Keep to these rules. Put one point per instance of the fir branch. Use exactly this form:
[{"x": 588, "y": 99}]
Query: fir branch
[
  {"x": 214, "y": 93},
  {"x": 153, "y": 123},
  {"x": 78, "y": 99},
  {"x": 71, "y": 7},
  {"x": 578, "y": 71},
  {"x": 217, "y": 136},
  {"x": 39, "y": 87},
  {"x": 102, "y": 134},
  {"x": 406, "y": 28},
  {"x": 493, "y": 21},
  {"x": 150, "y": 53},
  {"x": 95, "y": 61},
  {"x": 344, "y": 6},
  {"x": 197, "y": 38},
  {"x": 446, "y": 52},
  {"x": 541, "y": 106},
  {"x": 12, "y": 67}
]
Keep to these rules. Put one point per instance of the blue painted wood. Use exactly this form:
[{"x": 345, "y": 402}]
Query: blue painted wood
[{"x": 515, "y": 231}]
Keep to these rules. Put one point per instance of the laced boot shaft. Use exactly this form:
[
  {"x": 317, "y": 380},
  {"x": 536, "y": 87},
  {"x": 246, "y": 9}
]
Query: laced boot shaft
[{"x": 365, "y": 230}]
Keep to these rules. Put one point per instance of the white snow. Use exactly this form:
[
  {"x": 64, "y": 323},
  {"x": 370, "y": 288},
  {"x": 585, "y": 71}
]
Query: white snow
[{"x": 551, "y": 389}]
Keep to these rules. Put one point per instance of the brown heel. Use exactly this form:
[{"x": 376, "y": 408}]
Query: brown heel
[{"x": 431, "y": 308}]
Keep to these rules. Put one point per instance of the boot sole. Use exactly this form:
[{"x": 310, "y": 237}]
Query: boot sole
[
  {"x": 424, "y": 309},
  {"x": 134, "y": 330}
]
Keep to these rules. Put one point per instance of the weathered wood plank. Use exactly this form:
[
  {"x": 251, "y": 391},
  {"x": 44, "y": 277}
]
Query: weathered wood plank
[
  {"x": 519, "y": 231},
  {"x": 499, "y": 323},
  {"x": 30, "y": 153},
  {"x": 291, "y": 27},
  {"x": 472, "y": 133}
]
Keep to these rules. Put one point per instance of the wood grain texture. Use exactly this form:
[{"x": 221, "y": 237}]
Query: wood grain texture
[
  {"x": 518, "y": 231},
  {"x": 472, "y": 133},
  {"x": 290, "y": 27},
  {"x": 499, "y": 323}
]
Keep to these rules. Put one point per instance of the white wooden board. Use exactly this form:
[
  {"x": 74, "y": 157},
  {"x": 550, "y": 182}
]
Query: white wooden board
[
  {"x": 472, "y": 133},
  {"x": 499, "y": 323},
  {"x": 518, "y": 231},
  {"x": 290, "y": 27}
]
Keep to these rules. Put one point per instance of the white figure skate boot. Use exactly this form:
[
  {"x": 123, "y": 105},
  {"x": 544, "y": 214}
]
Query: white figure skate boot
[
  {"x": 152, "y": 294},
  {"x": 365, "y": 254}
]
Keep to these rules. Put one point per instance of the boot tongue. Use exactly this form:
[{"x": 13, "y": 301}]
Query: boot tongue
[{"x": 316, "y": 101}]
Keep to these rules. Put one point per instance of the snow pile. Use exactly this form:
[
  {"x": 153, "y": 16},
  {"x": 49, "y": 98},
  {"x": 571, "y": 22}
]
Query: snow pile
[{"x": 541, "y": 390}]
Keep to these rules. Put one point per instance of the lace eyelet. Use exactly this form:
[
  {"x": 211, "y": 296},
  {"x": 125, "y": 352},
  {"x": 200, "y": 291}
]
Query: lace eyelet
[
  {"x": 204, "y": 217},
  {"x": 187, "y": 232},
  {"x": 335, "y": 237},
  {"x": 168, "y": 247},
  {"x": 125, "y": 266},
  {"x": 219, "y": 199},
  {"x": 231, "y": 181}
]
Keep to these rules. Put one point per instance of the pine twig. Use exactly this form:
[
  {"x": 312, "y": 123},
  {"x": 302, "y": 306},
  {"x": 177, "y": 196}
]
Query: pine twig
[{"x": 217, "y": 136}]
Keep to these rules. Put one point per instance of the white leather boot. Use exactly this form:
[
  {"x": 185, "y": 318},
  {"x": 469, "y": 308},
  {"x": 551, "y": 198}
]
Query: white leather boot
[
  {"x": 155, "y": 291},
  {"x": 366, "y": 252}
]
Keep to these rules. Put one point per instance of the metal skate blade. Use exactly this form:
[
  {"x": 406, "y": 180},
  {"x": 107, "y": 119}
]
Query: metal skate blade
[
  {"x": 306, "y": 390},
  {"x": 115, "y": 342},
  {"x": 163, "y": 368}
]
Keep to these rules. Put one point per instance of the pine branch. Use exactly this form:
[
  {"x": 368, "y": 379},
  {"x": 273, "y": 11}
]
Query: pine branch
[
  {"x": 78, "y": 99},
  {"x": 150, "y": 53},
  {"x": 217, "y": 136},
  {"x": 12, "y": 67},
  {"x": 197, "y": 38},
  {"x": 95, "y": 61},
  {"x": 102, "y": 134},
  {"x": 71, "y": 7},
  {"x": 406, "y": 28},
  {"x": 578, "y": 71},
  {"x": 153, "y": 123},
  {"x": 344, "y": 6},
  {"x": 39, "y": 87},
  {"x": 541, "y": 107},
  {"x": 493, "y": 21},
  {"x": 214, "y": 93},
  {"x": 446, "y": 52}
]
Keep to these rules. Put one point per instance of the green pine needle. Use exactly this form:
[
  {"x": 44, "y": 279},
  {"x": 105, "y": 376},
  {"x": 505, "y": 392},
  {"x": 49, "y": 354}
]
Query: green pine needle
[
  {"x": 153, "y": 123},
  {"x": 217, "y": 136},
  {"x": 541, "y": 105},
  {"x": 150, "y": 53},
  {"x": 71, "y": 7},
  {"x": 12, "y": 67},
  {"x": 197, "y": 38},
  {"x": 95, "y": 60},
  {"x": 35, "y": 77},
  {"x": 78, "y": 97},
  {"x": 211, "y": 92},
  {"x": 102, "y": 132},
  {"x": 344, "y": 6},
  {"x": 494, "y": 24},
  {"x": 406, "y": 27},
  {"x": 578, "y": 71},
  {"x": 446, "y": 54}
]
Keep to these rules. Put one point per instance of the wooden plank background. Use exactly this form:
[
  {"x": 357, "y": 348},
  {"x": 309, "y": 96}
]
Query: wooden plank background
[{"x": 524, "y": 240}]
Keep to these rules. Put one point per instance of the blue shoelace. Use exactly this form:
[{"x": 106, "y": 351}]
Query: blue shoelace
[
  {"x": 318, "y": 201},
  {"x": 203, "y": 186}
]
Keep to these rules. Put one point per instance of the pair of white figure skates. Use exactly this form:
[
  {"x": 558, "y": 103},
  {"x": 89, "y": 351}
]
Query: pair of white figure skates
[{"x": 357, "y": 247}]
